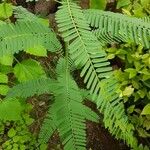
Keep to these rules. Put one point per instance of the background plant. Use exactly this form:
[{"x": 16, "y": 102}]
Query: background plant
[{"x": 134, "y": 73}]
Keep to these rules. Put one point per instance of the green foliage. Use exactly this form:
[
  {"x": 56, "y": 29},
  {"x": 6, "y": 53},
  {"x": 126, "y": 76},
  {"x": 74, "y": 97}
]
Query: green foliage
[
  {"x": 119, "y": 121},
  {"x": 134, "y": 83},
  {"x": 86, "y": 51},
  {"x": 122, "y": 3},
  {"x": 112, "y": 27},
  {"x": 22, "y": 14},
  {"x": 146, "y": 110},
  {"x": 31, "y": 88},
  {"x": 14, "y": 132},
  {"x": 28, "y": 34},
  {"x": 7, "y": 114},
  {"x": 37, "y": 51},
  {"x": 138, "y": 8},
  {"x": 3, "y": 78},
  {"x": 63, "y": 115},
  {"x": 68, "y": 114},
  {"x": 98, "y": 4},
  {"x": 6, "y": 60}
]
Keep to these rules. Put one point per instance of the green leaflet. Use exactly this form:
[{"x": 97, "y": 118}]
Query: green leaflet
[
  {"x": 37, "y": 50},
  {"x": 6, "y": 60},
  {"x": 3, "y": 78},
  {"x": 146, "y": 110},
  {"x": 64, "y": 112},
  {"x": 28, "y": 70},
  {"x": 23, "y": 14},
  {"x": 122, "y": 3},
  {"x": 26, "y": 34}
]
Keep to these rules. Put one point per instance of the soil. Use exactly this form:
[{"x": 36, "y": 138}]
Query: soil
[{"x": 98, "y": 138}]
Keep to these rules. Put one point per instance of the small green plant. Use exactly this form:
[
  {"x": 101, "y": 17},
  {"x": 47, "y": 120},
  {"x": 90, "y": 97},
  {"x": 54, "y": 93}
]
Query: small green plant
[
  {"x": 138, "y": 8},
  {"x": 134, "y": 74},
  {"x": 134, "y": 82},
  {"x": 14, "y": 132}
]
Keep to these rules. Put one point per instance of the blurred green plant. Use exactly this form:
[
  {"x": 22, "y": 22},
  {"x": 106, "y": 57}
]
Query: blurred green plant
[
  {"x": 134, "y": 77},
  {"x": 137, "y": 8},
  {"x": 14, "y": 132},
  {"x": 98, "y": 4}
]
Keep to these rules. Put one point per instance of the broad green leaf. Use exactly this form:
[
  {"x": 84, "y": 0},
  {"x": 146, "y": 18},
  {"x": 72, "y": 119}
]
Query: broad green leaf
[
  {"x": 146, "y": 110},
  {"x": 128, "y": 91},
  {"x": 3, "y": 78},
  {"x": 10, "y": 110},
  {"x": 111, "y": 56},
  {"x": 6, "y": 60},
  {"x": 122, "y": 3},
  {"x": 142, "y": 93},
  {"x": 28, "y": 70},
  {"x": 135, "y": 84},
  {"x": 146, "y": 124},
  {"x": 131, "y": 109},
  {"x": 6, "y": 10},
  {"x": 132, "y": 72},
  {"x": 127, "y": 12},
  {"x": 11, "y": 132},
  {"x": 4, "y": 89},
  {"x": 98, "y": 4},
  {"x": 37, "y": 51}
]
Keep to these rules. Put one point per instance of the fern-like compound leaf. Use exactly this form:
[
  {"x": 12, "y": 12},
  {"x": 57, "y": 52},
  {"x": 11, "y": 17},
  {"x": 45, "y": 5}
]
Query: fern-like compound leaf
[
  {"x": 26, "y": 34},
  {"x": 83, "y": 46},
  {"x": 68, "y": 113},
  {"x": 110, "y": 26},
  {"x": 22, "y": 14},
  {"x": 48, "y": 128},
  {"x": 31, "y": 88}
]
